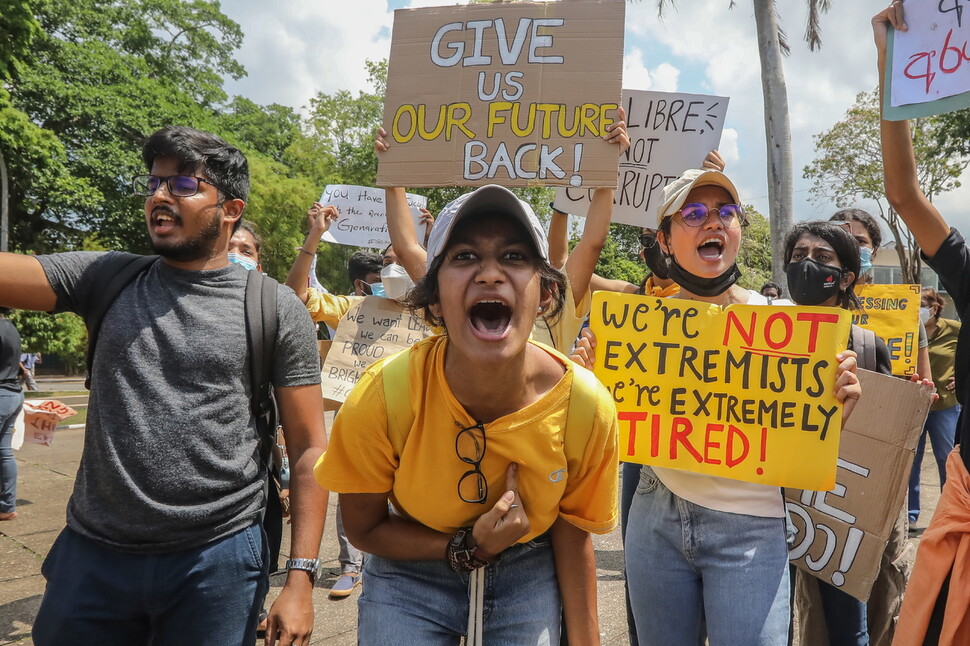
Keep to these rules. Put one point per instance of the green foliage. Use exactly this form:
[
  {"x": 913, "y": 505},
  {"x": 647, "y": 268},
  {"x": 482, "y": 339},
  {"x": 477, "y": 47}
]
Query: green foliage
[
  {"x": 848, "y": 167},
  {"x": 60, "y": 334},
  {"x": 754, "y": 259},
  {"x": 18, "y": 28}
]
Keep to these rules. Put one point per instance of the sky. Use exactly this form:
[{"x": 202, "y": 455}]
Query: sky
[{"x": 304, "y": 47}]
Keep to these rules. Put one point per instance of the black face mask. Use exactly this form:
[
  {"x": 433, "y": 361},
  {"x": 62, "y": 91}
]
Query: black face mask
[
  {"x": 656, "y": 261},
  {"x": 700, "y": 286},
  {"x": 811, "y": 282}
]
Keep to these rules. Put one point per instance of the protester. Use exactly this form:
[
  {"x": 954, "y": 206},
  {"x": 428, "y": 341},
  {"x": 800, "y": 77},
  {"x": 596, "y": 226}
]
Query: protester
[
  {"x": 771, "y": 291},
  {"x": 485, "y": 428},
  {"x": 684, "y": 583},
  {"x": 245, "y": 245},
  {"x": 823, "y": 264},
  {"x": 865, "y": 229},
  {"x": 936, "y": 608},
  {"x": 163, "y": 543},
  {"x": 941, "y": 423},
  {"x": 11, "y": 401},
  {"x": 559, "y": 333},
  {"x": 29, "y": 362}
]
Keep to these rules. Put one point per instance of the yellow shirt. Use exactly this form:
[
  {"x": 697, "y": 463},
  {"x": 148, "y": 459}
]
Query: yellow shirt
[
  {"x": 329, "y": 308},
  {"x": 652, "y": 289},
  {"x": 577, "y": 482},
  {"x": 561, "y": 334}
]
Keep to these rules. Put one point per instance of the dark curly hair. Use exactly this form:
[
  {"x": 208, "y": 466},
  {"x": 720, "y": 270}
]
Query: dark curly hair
[
  {"x": 845, "y": 247},
  {"x": 425, "y": 293}
]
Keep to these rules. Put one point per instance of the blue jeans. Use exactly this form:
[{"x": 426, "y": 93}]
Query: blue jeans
[
  {"x": 426, "y": 603},
  {"x": 209, "y": 595},
  {"x": 941, "y": 427},
  {"x": 687, "y": 565},
  {"x": 629, "y": 480},
  {"x": 10, "y": 404}
]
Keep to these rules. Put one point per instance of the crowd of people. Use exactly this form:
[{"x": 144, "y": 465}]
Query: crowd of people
[{"x": 473, "y": 467}]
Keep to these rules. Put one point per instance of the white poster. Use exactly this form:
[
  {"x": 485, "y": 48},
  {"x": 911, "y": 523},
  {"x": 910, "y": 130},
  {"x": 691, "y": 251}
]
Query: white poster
[
  {"x": 929, "y": 60},
  {"x": 669, "y": 133},
  {"x": 363, "y": 221}
]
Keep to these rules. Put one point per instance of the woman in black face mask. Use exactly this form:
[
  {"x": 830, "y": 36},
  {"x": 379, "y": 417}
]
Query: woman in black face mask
[{"x": 823, "y": 264}]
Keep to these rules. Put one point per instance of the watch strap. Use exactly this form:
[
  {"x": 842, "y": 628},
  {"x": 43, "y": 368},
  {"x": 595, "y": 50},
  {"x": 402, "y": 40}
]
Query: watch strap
[{"x": 309, "y": 566}]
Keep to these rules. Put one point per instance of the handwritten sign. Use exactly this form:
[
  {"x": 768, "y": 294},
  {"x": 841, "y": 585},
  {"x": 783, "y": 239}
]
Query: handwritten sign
[
  {"x": 928, "y": 69},
  {"x": 744, "y": 392},
  {"x": 516, "y": 94},
  {"x": 892, "y": 313},
  {"x": 842, "y": 532},
  {"x": 363, "y": 218},
  {"x": 374, "y": 329},
  {"x": 669, "y": 133},
  {"x": 38, "y": 421}
]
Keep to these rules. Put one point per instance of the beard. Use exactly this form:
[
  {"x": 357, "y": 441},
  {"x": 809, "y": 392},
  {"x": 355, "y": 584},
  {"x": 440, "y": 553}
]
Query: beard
[{"x": 195, "y": 248}]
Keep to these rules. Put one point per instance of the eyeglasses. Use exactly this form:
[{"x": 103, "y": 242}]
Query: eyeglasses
[
  {"x": 695, "y": 215},
  {"x": 178, "y": 185},
  {"x": 648, "y": 238},
  {"x": 470, "y": 447}
]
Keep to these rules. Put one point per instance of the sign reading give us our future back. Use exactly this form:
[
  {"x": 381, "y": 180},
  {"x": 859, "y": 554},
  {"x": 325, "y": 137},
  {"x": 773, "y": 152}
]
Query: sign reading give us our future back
[
  {"x": 745, "y": 392},
  {"x": 517, "y": 94}
]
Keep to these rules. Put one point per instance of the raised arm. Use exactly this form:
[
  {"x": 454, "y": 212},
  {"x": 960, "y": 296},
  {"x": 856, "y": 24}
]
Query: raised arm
[
  {"x": 24, "y": 285},
  {"x": 318, "y": 218},
  {"x": 582, "y": 261},
  {"x": 400, "y": 226},
  {"x": 899, "y": 162},
  {"x": 558, "y": 237}
]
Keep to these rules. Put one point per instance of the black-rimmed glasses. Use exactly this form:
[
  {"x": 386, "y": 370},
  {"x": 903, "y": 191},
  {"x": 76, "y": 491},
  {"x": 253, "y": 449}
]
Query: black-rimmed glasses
[
  {"x": 470, "y": 447},
  {"x": 648, "y": 238},
  {"x": 730, "y": 215},
  {"x": 178, "y": 185}
]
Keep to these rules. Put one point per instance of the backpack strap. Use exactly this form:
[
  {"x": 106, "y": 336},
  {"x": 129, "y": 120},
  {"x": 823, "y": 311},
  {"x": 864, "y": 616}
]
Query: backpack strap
[
  {"x": 262, "y": 324},
  {"x": 864, "y": 345},
  {"x": 395, "y": 373},
  {"x": 118, "y": 270}
]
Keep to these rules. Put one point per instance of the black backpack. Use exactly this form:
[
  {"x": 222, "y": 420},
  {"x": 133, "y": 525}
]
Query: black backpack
[{"x": 261, "y": 326}]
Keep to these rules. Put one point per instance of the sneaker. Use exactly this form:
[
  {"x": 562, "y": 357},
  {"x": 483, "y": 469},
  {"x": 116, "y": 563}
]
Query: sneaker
[{"x": 345, "y": 585}]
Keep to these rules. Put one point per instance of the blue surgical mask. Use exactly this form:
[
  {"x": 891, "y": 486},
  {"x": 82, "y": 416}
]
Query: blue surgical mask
[
  {"x": 247, "y": 262},
  {"x": 865, "y": 255},
  {"x": 376, "y": 289}
]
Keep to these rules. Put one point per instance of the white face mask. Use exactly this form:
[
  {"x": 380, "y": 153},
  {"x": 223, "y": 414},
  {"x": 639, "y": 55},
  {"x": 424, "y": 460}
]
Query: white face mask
[
  {"x": 925, "y": 314},
  {"x": 396, "y": 281},
  {"x": 245, "y": 261}
]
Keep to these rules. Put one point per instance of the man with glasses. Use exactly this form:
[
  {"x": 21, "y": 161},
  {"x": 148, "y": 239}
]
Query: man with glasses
[{"x": 163, "y": 543}]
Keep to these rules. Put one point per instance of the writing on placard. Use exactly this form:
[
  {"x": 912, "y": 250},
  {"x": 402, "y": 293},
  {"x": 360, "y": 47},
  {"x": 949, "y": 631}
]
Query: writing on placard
[{"x": 734, "y": 393}]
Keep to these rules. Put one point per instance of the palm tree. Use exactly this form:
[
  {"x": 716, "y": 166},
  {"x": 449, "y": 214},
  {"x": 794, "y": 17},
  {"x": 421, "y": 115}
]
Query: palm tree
[{"x": 772, "y": 45}]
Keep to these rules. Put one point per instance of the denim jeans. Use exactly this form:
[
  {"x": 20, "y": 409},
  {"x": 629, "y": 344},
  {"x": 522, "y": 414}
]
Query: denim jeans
[
  {"x": 688, "y": 565},
  {"x": 10, "y": 404},
  {"x": 426, "y": 603},
  {"x": 629, "y": 481},
  {"x": 941, "y": 427},
  {"x": 209, "y": 595}
]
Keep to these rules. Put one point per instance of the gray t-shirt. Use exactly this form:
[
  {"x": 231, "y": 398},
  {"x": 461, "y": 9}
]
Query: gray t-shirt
[{"x": 170, "y": 455}]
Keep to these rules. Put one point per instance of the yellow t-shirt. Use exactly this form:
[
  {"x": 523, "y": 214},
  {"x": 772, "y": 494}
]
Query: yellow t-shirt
[
  {"x": 329, "y": 308},
  {"x": 561, "y": 334},
  {"x": 577, "y": 482}
]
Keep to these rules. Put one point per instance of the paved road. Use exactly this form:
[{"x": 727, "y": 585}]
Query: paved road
[{"x": 44, "y": 484}]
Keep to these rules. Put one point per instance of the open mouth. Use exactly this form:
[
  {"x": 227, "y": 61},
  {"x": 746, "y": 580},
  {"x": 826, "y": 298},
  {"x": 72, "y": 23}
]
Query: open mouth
[
  {"x": 164, "y": 220},
  {"x": 711, "y": 249},
  {"x": 490, "y": 318}
]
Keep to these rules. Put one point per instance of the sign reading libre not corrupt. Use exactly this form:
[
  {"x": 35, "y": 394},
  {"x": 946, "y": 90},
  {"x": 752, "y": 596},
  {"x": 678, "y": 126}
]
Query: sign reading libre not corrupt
[
  {"x": 745, "y": 392},
  {"x": 516, "y": 94}
]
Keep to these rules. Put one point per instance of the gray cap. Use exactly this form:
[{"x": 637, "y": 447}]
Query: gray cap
[
  {"x": 675, "y": 193},
  {"x": 486, "y": 199}
]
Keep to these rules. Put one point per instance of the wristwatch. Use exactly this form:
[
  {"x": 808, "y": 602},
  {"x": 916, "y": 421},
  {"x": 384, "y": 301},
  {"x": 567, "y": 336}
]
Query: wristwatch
[{"x": 310, "y": 566}]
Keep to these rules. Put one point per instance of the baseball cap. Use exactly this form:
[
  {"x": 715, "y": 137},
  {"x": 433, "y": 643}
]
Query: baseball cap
[
  {"x": 486, "y": 199},
  {"x": 675, "y": 194}
]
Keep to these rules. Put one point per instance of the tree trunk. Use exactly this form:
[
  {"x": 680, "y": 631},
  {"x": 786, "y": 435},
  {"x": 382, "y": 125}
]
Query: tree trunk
[
  {"x": 777, "y": 134},
  {"x": 4, "y": 215}
]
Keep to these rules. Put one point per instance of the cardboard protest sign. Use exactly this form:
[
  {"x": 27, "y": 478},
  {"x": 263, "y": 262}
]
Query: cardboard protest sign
[
  {"x": 362, "y": 221},
  {"x": 516, "y": 94},
  {"x": 892, "y": 313},
  {"x": 927, "y": 66},
  {"x": 669, "y": 133},
  {"x": 372, "y": 330},
  {"x": 744, "y": 392},
  {"x": 38, "y": 421},
  {"x": 842, "y": 532}
]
